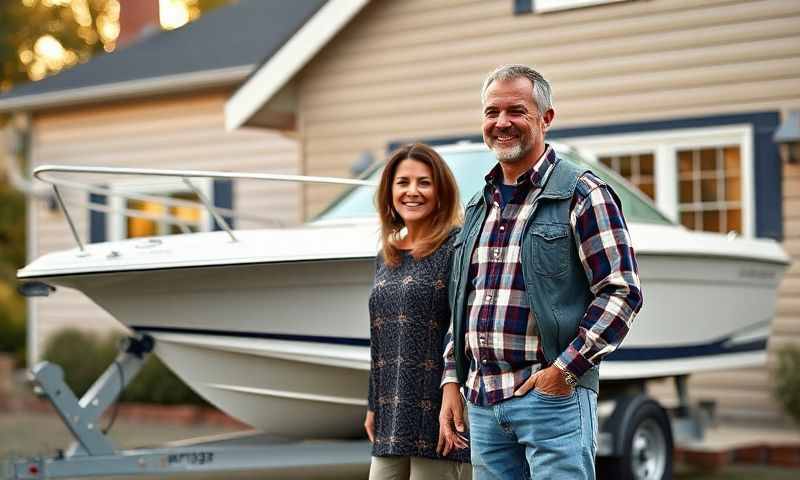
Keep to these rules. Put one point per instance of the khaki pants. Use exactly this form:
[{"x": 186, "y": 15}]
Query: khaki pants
[{"x": 414, "y": 468}]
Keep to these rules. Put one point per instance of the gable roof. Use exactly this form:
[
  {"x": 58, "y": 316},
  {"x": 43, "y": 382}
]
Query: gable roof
[
  {"x": 221, "y": 48},
  {"x": 244, "y": 106}
]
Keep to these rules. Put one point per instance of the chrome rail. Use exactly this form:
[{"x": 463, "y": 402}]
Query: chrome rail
[{"x": 48, "y": 174}]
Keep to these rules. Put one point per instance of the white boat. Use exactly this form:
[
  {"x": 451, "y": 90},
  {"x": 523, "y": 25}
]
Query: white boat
[{"x": 273, "y": 328}]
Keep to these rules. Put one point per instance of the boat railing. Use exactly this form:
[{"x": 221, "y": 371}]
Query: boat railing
[{"x": 52, "y": 175}]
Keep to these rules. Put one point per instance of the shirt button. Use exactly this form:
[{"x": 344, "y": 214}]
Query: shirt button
[
  {"x": 484, "y": 361},
  {"x": 502, "y": 228}
]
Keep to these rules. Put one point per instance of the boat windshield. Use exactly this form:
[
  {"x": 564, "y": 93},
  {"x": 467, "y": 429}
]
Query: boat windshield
[{"x": 469, "y": 167}]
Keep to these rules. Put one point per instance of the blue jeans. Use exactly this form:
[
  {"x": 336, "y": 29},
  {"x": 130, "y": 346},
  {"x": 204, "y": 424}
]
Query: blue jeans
[{"x": 536, "y": 436}]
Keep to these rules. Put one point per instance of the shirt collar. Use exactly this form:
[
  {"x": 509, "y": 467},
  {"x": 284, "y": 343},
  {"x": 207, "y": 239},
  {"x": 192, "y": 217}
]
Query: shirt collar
[{"x": 535, "y": 174}]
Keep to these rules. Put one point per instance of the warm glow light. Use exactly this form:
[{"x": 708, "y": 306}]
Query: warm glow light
[
  {"x": 47, "y": 55},
  {"x": 49, "y": 49},
  {"x": 173, "y": 13},
  {"x": 26, "y": 56},
  {"x": 82, "y": 14}
]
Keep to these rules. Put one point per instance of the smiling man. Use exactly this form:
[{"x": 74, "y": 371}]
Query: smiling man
[{"x": 544, "y": 286}]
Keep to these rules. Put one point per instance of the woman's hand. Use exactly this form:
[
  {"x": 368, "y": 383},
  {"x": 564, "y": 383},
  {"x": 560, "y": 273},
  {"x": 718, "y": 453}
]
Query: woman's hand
[
  {"x": 452, "y": 414},
  {"x": 369, "y": 425}
]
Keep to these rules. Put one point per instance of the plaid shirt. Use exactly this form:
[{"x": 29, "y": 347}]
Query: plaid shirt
[{"x": 501, "y": 332}]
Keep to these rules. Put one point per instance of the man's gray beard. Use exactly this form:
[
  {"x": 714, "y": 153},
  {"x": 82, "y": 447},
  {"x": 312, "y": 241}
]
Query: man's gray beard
[{"x": 511, "y": 155}]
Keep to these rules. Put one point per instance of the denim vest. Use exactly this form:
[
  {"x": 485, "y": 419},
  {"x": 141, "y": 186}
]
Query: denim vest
[{"x": 556, "y": 284}]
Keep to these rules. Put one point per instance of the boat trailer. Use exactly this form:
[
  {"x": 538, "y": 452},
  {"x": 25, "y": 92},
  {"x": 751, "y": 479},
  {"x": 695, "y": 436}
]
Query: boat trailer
[
  {"x": 93, "y": 454},
  {"x": 635, "y": 439}
]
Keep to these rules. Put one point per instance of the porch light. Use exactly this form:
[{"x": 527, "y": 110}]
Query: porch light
[{"x": 788, "y": 137}]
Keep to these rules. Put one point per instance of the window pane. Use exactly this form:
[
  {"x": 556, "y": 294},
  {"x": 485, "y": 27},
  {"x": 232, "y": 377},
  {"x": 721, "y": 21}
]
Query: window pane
[
  {"x": 708, "y": 190},
  {"x": 143, "y": 227},
  {"x": 708, "y": 159},
  {"x": 191, "y": 215},
  {"x": 187, "y": 214},
  {"x": 648, "y": 189},
  {"x": 647, "y": 163},
  {"x": 733, "y": 189},
  {"x": 711, "y": 221},
  {"x": 687, "y": 220},
  {"x": 734, "y": 220},
  {"x": 685, "y": 163},
  {"x": 686, "y": 191},
  {"x": 625, "y": 167},
  {"x": 732, "y": 161}
]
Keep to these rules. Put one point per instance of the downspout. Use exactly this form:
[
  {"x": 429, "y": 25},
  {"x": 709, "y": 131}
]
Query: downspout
[{"x": 17, "y": 156}]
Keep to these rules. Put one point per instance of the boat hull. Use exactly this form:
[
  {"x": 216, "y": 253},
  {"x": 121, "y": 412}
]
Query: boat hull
[{"x": 284, "y": 346}]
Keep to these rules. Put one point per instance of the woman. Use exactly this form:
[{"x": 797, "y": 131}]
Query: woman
[{"x": 419, "y": 210}]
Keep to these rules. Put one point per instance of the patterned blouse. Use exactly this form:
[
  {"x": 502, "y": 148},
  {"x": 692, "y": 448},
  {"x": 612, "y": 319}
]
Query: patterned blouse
[{"x": 409, "y": 317}]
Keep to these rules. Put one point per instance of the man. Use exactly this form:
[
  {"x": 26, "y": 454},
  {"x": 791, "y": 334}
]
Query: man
[{"x": 544, "y": 285}]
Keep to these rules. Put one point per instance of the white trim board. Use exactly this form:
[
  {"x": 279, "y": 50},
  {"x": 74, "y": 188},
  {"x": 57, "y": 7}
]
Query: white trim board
[{"x": 292, "y": 56}]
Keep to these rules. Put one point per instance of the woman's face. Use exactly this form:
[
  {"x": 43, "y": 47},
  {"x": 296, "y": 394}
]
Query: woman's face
[{"x": 413, "y": 194}]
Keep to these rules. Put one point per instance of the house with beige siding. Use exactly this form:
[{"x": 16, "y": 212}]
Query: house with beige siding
[
  {"x": 682, "y": 97},
  {"x": 155, "y": 103}
]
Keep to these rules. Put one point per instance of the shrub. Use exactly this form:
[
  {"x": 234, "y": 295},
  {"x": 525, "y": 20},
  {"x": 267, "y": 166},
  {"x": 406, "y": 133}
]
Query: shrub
[
  {"x": 12, "y": 327},
  {"x": 85, "y": 356},
  {"x": 12, "y": 257},
  {"x": 787, "y": 381}
]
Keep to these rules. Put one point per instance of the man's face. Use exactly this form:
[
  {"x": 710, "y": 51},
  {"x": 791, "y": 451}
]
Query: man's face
[{"x": 513, "y": 128}]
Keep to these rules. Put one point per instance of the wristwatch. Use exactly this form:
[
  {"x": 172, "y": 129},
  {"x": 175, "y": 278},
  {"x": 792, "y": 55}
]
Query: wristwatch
[{"x": 569, "y": 378}]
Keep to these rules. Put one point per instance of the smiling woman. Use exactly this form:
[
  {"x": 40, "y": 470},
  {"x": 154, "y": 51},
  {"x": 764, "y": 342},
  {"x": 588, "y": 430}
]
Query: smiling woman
[
  {"x": 419, "y": 209},
  {"x": 417, "y": 201}
]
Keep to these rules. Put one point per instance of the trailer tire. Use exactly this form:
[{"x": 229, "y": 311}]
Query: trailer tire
[{"x": 647, "y": 447}]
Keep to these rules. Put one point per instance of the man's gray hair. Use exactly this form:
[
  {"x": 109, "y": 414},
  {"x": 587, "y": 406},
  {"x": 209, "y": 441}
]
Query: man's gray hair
[{"x": 542, "y": 95}]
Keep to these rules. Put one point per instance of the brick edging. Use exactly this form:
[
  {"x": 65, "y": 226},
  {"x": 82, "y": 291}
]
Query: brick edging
[{"x": 785, "y": 455}]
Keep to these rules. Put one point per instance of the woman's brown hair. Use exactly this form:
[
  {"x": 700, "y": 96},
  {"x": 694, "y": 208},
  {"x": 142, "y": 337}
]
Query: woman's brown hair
[{"x": 446, "y": 215}]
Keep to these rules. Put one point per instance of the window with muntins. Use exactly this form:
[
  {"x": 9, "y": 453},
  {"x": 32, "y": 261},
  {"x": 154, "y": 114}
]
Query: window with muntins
[
  {"x": 637, "y": 168},
  {"x": 136, "y": 214},
  {"x": 710, "y": 188},
  {"x": 185, "y": 218},
  {"x": 702, "y": 178}
]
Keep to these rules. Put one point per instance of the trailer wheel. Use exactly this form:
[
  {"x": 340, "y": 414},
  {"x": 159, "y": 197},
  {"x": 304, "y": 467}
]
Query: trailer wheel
[{"x": 647, "y": 447}]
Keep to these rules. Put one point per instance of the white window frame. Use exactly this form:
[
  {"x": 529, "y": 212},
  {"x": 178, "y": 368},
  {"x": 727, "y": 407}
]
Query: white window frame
[
  {"x": 664, "y": 144},
  {"x": 117, "y": 226},
  {"x": 544, "y": 6}
]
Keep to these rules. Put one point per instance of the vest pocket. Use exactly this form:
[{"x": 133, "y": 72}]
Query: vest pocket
[{"x": 550, "y": 245}]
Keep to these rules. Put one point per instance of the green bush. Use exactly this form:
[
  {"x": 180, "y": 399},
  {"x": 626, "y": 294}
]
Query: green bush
[
  {"x": 12, "y": 328},
  {"x": 12, "y": 257},
  {"x": 787, "y": 381},
  {"x": 84, "y": 357}
]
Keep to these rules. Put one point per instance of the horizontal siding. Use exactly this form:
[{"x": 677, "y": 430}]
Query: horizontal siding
[
  {"x": 785, "y": 332},
  {"x": 413, "y": 70},
  {"x": 178, "y": 133}
]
